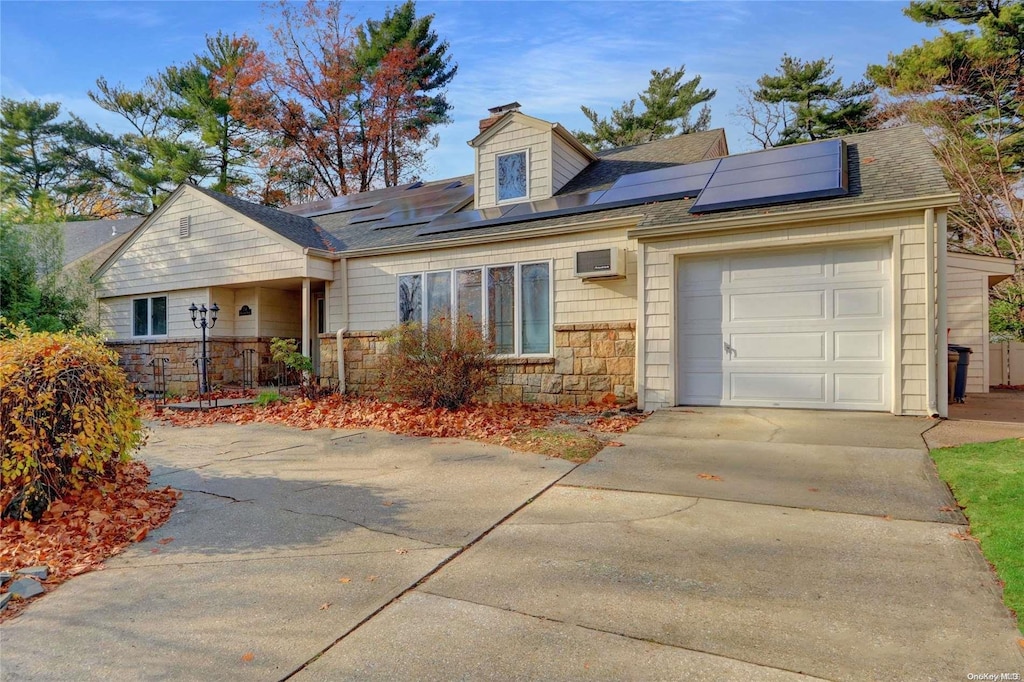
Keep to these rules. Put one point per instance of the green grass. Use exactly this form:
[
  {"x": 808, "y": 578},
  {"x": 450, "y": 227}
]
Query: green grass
[
  {"x": 267, "y": 397},
  {"x": 988, "y": 481}
]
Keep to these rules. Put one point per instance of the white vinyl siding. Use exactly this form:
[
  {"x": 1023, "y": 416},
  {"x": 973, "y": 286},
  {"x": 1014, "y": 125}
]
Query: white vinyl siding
[
  {"x": 967, "y": 291},
  {"x": 372, "y": 280},
  {"x": 116, "y": 313},
  {"x": 223, "y": 249}
]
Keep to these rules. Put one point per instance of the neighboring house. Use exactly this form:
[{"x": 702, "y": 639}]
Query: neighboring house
[
  {"x": 969, "y": 278},
  {"x": 95, "y": 240},
  {"x": 668, "y": 273}
]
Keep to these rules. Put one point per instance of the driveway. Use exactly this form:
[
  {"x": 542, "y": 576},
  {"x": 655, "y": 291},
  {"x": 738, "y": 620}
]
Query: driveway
[{"x": 754, "y": 544}]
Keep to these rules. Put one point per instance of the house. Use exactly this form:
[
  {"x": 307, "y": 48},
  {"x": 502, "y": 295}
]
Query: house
[{"x": 669, "y": 273}]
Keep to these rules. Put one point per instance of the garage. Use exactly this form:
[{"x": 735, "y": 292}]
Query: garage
[{"x": 808, "y": 328}]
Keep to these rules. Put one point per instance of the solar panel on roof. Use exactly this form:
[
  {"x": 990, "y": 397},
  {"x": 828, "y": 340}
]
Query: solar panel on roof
[
  {"x": 664, "y": 183},
  {"x": 568, "y": 202},
  {"x": 463, "y": 220},
  {"x": 439, "y": 200},
  {"x": 808, "y": 171}
]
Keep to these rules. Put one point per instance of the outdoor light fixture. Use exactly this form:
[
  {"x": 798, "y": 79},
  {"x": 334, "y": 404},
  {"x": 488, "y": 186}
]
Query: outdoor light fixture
[{"x": 203, "y": 323}]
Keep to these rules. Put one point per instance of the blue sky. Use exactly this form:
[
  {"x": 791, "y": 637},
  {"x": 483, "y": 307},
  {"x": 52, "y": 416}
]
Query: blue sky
[{"x": 550, "y": 56}]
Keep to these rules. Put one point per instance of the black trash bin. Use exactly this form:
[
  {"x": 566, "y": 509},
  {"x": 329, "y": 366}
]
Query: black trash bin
[{"x": 964, "y": 359}]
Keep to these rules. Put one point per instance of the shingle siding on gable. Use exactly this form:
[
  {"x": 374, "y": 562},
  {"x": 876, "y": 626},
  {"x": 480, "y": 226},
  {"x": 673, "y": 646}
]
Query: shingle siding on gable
[
  {"x": 515, "y": 136},
  {"x": 222, "y": 250},
  {"x": 566, "y": 163}
]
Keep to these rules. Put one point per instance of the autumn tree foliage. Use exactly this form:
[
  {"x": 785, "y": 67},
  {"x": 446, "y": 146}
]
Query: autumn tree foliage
[
  {"x": 345, "y": 118},
  {"x": 67, "y": 416},
  {"x": 967, "y": 88}
]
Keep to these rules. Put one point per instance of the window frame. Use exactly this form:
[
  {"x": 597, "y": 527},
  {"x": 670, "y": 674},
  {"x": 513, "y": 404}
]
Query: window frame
[
  {"x": 525, "y": 151},
  {"x": 149, "y": 316},
  {"x": 485, "y": 321}
]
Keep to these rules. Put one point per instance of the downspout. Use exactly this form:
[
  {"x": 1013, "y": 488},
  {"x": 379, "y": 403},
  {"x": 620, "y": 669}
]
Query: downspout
[
  {"x": 942, "y": 387},
  {"x": 930, "y": 321},
  {"x": 341, "y": 361}
]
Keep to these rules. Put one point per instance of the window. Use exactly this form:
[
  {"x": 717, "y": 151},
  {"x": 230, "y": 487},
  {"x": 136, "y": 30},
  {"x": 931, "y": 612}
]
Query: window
[
  {"x": 512, "y": 176},
  {"x": 511, "y": 303},
  {"x": 149, "y": 316}
]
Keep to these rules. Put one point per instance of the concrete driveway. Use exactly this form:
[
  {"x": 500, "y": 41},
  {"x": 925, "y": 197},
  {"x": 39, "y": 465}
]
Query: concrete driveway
[{"x": 753, "y": 544}]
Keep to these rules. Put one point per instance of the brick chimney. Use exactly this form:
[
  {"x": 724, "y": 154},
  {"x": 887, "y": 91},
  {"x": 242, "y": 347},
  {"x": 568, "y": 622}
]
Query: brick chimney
[{"x": 496, "y": 113}]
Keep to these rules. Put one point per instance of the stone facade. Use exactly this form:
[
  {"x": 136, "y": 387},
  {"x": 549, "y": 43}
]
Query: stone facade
[
  {"x": 591, "y": 361},
  {"x": 225, "y": 361}
]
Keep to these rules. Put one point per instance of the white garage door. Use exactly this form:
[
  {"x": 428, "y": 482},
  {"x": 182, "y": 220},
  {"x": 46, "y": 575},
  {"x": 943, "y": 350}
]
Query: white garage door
[{"x": 808, "y": 328}]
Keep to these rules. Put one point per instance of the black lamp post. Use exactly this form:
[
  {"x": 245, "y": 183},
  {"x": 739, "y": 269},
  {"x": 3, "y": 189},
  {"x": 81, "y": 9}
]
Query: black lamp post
[{"x": 204, "y": 324}]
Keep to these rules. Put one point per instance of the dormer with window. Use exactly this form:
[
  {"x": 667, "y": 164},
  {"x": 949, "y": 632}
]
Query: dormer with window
[{"x": 520, "y": 158}]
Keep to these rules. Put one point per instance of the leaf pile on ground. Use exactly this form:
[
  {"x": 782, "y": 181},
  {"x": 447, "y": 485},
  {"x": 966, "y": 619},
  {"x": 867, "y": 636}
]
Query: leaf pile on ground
[
  {"x": 83, "y": 528},
  {"x": 502, "y": 424}
]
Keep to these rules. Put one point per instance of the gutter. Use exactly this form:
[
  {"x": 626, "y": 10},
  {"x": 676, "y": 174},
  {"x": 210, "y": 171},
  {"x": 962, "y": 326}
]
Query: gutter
[
  {"x": 794, "y": 217},
  {"x": 603, "y": 224}
]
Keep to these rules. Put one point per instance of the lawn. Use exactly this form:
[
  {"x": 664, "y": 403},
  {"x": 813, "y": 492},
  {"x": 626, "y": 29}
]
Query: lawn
[{"x": 988, "y": 482}]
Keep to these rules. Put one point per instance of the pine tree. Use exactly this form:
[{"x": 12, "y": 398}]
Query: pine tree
[
  {"x": 819, "y": 106},
  {"x": 667, "y": 104}
]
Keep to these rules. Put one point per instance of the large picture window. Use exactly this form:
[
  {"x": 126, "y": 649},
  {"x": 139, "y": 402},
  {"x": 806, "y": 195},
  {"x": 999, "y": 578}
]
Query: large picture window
[
  {"x": 511, "y": 303},
  {"x": 149, "y": 316}
]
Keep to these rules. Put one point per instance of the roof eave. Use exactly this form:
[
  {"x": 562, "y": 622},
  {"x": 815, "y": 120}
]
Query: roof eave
[{"x": 816, "y": 214}]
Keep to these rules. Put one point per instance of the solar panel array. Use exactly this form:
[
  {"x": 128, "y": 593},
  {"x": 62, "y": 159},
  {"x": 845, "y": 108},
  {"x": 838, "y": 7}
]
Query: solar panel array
[
  {"x": 786, "y": 174},
  {"x": 807, "y": 171}
]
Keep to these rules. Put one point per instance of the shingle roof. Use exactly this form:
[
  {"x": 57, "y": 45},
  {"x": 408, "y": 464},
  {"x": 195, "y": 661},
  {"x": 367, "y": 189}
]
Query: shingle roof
[
  {"x": 896, "y": 163},
  {"x": 301, "y": 231},
  {"x": 612, "y": 164}
]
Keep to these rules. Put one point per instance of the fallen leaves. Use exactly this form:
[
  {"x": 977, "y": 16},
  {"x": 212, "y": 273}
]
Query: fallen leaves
[
  {"x": 248, "y": 656},
  {"x": 965, "y": 536},
  {"x": 326, "y": 605},
  {"x": 83, "y": 528},
  {"x": 164, "y": 541},
  {"x": 401, "y": 551},
  {"x": 615, "y": 444},
  {"x": 345, "y": 580},
  {"x": 501, "y": 424},
  {"x": 709, "y": 477}
]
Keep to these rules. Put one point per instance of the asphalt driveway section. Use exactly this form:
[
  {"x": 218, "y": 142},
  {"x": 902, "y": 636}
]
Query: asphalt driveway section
[
  {"x": 858, "y": 580},
  {"x": 283, "y": 542}
]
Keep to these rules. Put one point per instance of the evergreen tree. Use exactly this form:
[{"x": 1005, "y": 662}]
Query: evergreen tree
[
  {"x": 819, "y": 105},
  {"x": 41, "y": 160},
  {"x": 422, "y": 104},
  {"x": 967, "y": 87},
  {"x": 161, "y": 151},
  {"x": 208, "y": 91},
  {"x": 668, "y": 102}
]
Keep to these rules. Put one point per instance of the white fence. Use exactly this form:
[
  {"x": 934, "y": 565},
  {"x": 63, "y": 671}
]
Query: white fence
[{"x": 1006, "y": 363}]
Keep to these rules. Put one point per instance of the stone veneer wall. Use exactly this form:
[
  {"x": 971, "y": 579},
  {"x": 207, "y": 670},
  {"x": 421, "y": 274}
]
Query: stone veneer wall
[
  {"x": 225, "y": 361},
  {"x": 591, "y": 361}
]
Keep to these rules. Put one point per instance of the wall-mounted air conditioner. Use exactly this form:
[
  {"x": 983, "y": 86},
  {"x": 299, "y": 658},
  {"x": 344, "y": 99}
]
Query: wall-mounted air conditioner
[{"x": 601, "y": 263}]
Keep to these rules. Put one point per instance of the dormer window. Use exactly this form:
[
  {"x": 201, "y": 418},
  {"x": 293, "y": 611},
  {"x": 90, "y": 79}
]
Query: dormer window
[{"x": 512, "y": 176}]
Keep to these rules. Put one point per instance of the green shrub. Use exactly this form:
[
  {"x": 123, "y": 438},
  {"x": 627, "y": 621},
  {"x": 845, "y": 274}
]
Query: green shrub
[
  {"x": 67, "y": 415},
  {"x": 268, "y": 397},
  {"x": 438, "y": 366}
]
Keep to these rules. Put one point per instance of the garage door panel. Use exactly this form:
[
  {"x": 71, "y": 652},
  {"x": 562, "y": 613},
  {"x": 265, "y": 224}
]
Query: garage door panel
[
  {"x": 779, "y": 306},
  {"x": 701, "y": 348},
  {"x": 859, "y": 260},
  {"x": 783, "y": 347},
  {"x": 865, "y": 345},
  {"x": 859, "y": 302},
  {"x": 860, "y": 389},
  {"x": 704, "y": 309},
  {"x": 702, "y": 274},
  {"x": 705, "y": 387},
  {"x": 777, "y": 387},
  {"x": 775, "y": 267},
  {"x": 807, "y": 328}
]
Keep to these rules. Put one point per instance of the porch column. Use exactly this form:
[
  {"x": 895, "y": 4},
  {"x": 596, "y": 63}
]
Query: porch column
[{"x": 305, "y": 318}]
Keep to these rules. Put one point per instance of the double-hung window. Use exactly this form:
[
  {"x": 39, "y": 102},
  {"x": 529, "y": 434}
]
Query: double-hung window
[
  {"x": 510, "y": 303},
  {"x": 149, "y": 316}
]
